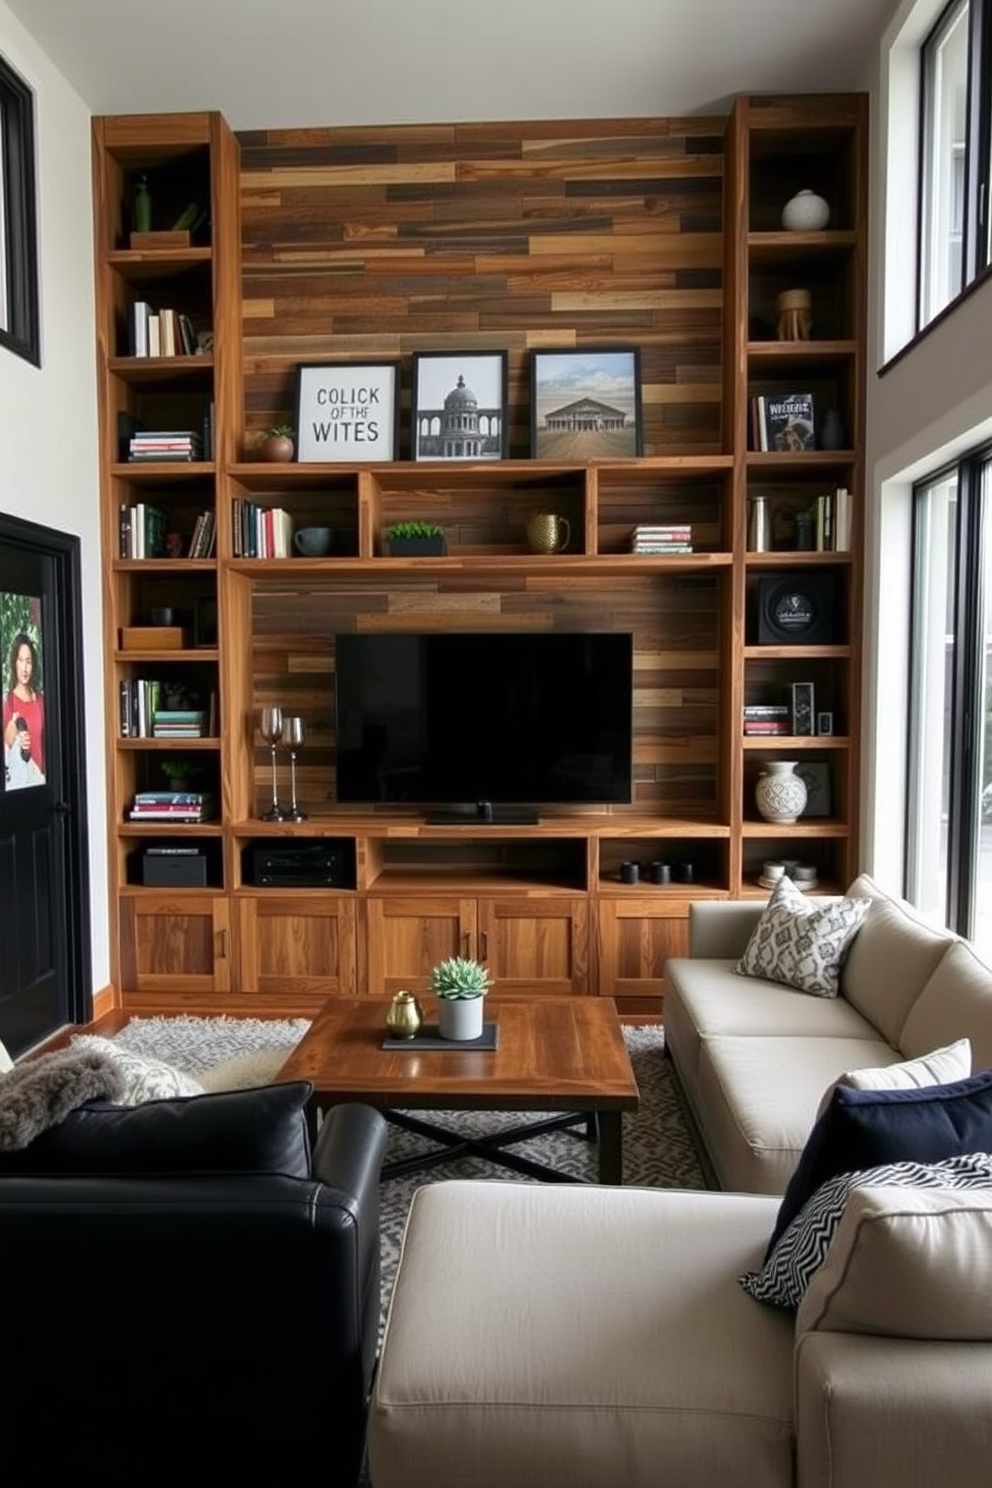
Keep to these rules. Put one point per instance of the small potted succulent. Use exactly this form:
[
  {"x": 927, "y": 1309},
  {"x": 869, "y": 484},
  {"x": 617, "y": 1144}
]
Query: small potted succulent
[
  {"x": 416, "y": 540},
  {"x": 277, "y": 443},
  {"x": 460, "y": 986}
]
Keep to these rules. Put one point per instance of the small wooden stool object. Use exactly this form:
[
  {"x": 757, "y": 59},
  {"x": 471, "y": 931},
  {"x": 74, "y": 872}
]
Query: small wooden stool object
[{"x": 794, "y": 318}]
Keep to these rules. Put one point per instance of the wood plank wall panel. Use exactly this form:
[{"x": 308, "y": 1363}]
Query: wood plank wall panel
[
  {"x": 370, "y": 243},
  {"x": 674, "y": 621}
]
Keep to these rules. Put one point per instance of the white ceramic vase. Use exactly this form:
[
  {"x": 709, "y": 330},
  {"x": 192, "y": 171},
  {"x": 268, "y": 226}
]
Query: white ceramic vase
[
  {"x": 780, "y": 794},
  {"x": 460, "y": 1017},
  {"x": 805, "y": 212}
]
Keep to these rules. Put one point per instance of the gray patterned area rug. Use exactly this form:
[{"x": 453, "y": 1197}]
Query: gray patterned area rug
[{"x": 658, "y": 1149}]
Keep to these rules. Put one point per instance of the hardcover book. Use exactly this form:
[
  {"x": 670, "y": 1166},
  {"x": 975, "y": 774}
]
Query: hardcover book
[{"x": 786, "y": 422}]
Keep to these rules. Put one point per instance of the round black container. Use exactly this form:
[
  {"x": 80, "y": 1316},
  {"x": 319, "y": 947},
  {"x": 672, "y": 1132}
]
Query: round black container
[{"x": 630, "y": 872}]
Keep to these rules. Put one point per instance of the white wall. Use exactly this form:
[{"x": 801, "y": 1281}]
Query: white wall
[
  {"x": 48, "y": 417},
  {"x": 933, "y": 402}
]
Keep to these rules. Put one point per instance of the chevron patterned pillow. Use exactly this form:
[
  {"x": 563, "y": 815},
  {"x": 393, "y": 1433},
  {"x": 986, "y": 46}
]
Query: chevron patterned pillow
[
  {"x": 783, "y": 1279},
  {"x": 801, "y": 943}
]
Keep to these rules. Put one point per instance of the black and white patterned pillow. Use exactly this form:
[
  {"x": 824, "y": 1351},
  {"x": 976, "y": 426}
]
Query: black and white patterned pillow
[
  {"x": 788, "y": 1271},
  {"x": 801, "y": 943}
]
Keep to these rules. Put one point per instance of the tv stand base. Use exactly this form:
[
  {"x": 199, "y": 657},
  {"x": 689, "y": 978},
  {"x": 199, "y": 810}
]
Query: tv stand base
[{"x": 484, "y": 814}]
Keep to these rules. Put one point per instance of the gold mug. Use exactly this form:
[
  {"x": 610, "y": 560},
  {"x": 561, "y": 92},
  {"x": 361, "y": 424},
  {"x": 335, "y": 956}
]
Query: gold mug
[{"x": 547, "y": 532}]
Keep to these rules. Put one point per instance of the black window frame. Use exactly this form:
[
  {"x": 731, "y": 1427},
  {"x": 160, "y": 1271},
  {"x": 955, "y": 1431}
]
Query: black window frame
[
  {"x": 21, "y": 333},
  {"x": 976, "y": 243},
  {"x": 967, "y": 681}
]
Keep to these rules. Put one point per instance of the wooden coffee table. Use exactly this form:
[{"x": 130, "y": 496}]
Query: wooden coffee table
[{"x": 559, "y": 1054}]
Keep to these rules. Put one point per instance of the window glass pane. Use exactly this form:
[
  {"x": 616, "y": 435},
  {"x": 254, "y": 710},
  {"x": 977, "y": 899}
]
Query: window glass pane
[
  {"x": 982, "y": 904},
  {"x": 933, "y": 672},
  {"x": 4, "y": 282},
  {"x": 945, "y": 94}
]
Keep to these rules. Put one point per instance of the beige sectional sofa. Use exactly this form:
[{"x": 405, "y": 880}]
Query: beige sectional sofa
[
  {"x": 560, "y": 1336},
  {"x": 755, "y": 1057}
]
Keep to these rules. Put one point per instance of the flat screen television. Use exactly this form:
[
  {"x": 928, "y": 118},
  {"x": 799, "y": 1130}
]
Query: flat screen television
[{"x": 477, "y": 721}]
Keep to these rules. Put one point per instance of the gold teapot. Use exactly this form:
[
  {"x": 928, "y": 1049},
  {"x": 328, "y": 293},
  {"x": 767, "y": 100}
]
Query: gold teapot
[{"x": 405, "y": 1016}]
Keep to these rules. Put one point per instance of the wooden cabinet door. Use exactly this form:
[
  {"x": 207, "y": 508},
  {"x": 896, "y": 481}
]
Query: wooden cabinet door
[
  {"x": 175, "y": 942},
  {"x": 409, "y": 934},
  {"x": 536, "y": 944},
  {"x": 300, "y": 944},
  {"x": 636, "y": 938}
]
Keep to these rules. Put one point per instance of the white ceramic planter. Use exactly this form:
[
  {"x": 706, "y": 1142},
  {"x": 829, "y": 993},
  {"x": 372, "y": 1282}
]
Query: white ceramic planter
[
  {"x": 460, "y": 1017},
  {"x": 780, "y": 794}
]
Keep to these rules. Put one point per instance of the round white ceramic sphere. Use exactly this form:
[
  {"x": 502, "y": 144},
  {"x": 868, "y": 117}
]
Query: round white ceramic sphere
[{"x": 805, "y": 212}]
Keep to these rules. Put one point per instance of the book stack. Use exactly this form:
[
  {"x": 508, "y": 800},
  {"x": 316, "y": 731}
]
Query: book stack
[
  {"x": 261, "y": 531},
  {"x": 166, "y": 444},
  {"x": 767, "y": 718},
  {"x": 831, "y": 515},
  {"x": 142, "y": 530},
  {"x": 201, "y": 544},
  {"x": 662, "y": 538},
  {"x": 163, "y": 332},
  {"x": 179, "y": 723},
  {"x": 174, "y": 806}
]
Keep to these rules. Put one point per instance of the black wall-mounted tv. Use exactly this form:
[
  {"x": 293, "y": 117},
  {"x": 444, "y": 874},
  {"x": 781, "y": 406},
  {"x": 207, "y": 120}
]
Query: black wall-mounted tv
[{"x": 466, "y": 719}]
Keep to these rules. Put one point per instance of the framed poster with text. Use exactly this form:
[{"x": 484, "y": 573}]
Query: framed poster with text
[{"x": 347, "y": 412}]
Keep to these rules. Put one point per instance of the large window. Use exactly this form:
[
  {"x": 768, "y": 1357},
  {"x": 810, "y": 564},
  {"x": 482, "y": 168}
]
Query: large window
[
  {"x": 956, "y": 135},
  {"x": 949, "y": 810},
  {"x": 19, "y": 329}
]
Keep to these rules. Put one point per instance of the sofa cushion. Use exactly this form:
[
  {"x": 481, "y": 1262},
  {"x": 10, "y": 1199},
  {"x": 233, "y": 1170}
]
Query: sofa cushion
[
  {"x": 956, "y": 1002},
  {"x": 755, "y": 1100},
  {"x": 806, "y": 1241},
  {"x": 939, "y": 1067},
  {"x": 907, "y": 1263},
  {"x": 144, "y": 1078},
  {"x": 246, "y": 1131},
  {"x": 605, "y": 1344},
  {"x": 866, "y": 1128},
  {"x": 801, "y": 943},
  {"x": 890, "y": 961}
]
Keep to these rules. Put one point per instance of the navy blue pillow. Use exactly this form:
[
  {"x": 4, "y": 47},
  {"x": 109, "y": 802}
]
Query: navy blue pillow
[
  {"x": 262, "y": 1130},
  {"x": 870, "y": 1128}
]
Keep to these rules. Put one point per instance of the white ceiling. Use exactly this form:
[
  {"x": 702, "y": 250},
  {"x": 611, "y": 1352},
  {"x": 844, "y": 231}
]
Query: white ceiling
[{"x": 283, "y": 63}]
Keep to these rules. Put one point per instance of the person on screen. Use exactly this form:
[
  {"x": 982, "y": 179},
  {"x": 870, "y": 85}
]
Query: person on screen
[{"x": 24, "y": 717}]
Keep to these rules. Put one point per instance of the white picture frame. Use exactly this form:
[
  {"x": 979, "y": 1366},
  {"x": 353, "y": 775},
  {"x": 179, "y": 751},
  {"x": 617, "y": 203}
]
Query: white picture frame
[{"x": 347, "y": 412}]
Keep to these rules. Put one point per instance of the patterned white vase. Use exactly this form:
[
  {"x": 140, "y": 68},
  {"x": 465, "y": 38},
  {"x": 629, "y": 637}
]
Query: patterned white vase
[{"x": 780, "y": 794}]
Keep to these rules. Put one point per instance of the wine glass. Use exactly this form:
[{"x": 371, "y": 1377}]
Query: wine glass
[
  {"x": 270, "y": 727},
  {"x": 293, "y": 734}
]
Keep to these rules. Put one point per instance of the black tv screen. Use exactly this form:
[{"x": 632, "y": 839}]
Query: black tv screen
[{"x": 466, "y": 718}]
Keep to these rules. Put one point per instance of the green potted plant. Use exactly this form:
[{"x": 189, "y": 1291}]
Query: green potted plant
[
  {"x": 277, "y": 443},
  {"x": 460, "y": 986},
  {"x": 416, "y": 540}
]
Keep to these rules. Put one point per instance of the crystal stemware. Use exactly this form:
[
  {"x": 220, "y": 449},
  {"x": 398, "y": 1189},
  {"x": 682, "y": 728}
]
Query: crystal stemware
[
  {"x": 293, "y": 734},
  {"x": 270, "y": 726}
]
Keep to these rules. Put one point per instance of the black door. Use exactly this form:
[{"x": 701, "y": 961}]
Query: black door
[{"x": 44, "y": 946}]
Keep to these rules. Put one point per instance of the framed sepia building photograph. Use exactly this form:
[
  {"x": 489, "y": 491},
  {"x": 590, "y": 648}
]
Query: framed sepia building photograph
[
  {"x": 459, "y": 405},
  {"x": 586, "y": 404}
]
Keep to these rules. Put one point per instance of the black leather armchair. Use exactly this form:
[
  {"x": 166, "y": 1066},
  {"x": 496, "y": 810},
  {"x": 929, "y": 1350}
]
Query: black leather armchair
[{"x": 187, "y": 1327}]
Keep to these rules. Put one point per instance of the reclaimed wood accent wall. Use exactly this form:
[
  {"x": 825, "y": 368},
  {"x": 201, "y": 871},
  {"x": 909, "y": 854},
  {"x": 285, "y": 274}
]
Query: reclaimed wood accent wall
[
  {"x": 365, "y": 244},
  {"x": 370, "y": 243}
]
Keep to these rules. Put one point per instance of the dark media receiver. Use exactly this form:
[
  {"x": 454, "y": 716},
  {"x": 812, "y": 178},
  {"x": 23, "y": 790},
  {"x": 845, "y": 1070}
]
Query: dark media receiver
[
  {"x": 484, "y": 724},
  {"x": 319, "y": 865}
]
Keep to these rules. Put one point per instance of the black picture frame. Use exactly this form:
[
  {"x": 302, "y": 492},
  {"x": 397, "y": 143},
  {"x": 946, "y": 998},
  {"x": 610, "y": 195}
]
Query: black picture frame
[
  {"x": 815, "y": 775},
  {"x": 586, "y": 405},
  {"x": 802, "y": 702},
  {"x": 347, "y": 412},
  {"x": 458, "y": 407}
]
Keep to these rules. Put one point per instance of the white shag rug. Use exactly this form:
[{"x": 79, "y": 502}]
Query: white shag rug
[{"x": 223, "y": 1053}]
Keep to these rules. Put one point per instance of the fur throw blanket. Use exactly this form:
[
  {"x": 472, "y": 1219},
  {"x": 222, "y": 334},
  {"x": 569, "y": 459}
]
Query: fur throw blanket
[{"x": 41, "y": 1092}]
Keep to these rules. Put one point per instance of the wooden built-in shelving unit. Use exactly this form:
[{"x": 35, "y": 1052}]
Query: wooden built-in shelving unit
[{"x": 365, "y": 244}]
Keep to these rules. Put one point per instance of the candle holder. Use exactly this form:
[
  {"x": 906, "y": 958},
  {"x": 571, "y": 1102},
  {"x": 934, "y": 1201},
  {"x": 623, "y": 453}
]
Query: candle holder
[
  {"x": 270, "y": 727},
  {"x": 293, "y": 734}
]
